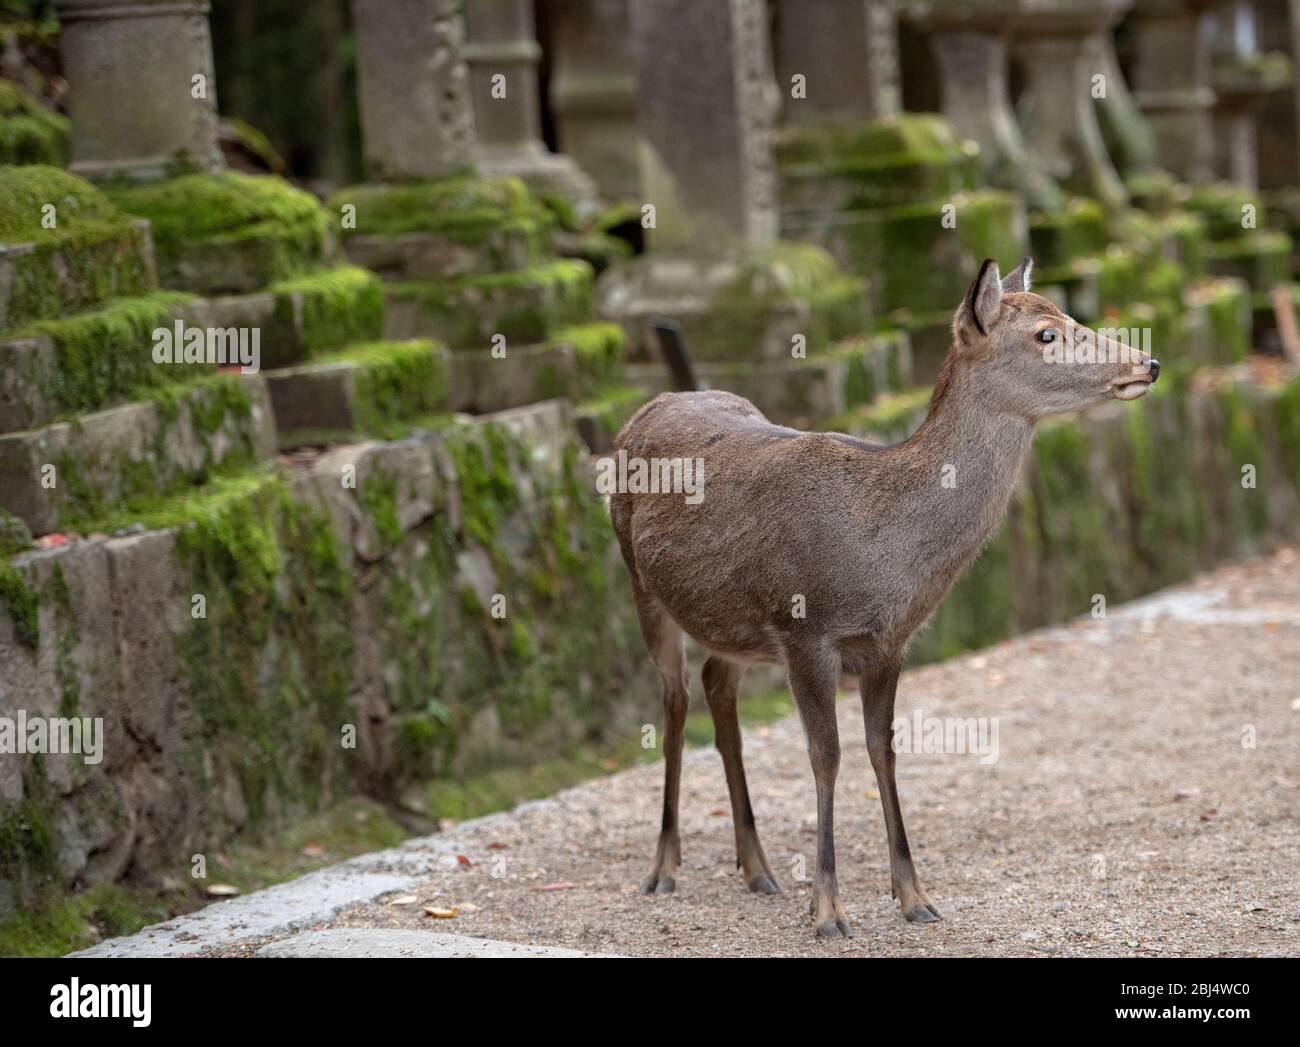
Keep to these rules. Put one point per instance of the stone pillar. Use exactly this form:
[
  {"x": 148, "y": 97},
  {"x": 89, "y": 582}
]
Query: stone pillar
[
  {"x": 413, "y": 88},
  {"x": 134, "y": 69},
  {"x": 1279, "y": 149},
  {"x": 704, "y": 80},
  {"x": 846, "y": 51},
  {"x": 593, "y": 91},
  {"x": 969, "y": 38},
  {"x": 1057, "y": 47},
  {"x": 1123, "y": 127},
  {"x": 503, "y": 58},
  {"x": 1243, "y": 80},
  {"x": 1171, "y": 80}
]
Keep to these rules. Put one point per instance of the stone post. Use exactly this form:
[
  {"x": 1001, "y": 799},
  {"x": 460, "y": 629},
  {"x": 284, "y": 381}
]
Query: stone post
[
  {"x": 1243, "y": 80},
  {"x": 1279, "y": 149},
  {"x": 413, "y": 89},
  {"x": 969, "y": 38},
  {"x": 704, "y": 81},
  {"x": 1123, "y": 127},
  {"x": 143, "y": 99},
  {"x": 593, "y": 91},
  {"x": 1171, "y": 80},
  {"x": 1057, "y": 46},
  {"x": 503, "y": 58},
  {"x": 845, "y": 51}
]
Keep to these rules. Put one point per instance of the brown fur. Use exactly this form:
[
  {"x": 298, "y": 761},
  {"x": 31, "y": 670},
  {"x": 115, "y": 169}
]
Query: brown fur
[{"x": 869, "y": 536}]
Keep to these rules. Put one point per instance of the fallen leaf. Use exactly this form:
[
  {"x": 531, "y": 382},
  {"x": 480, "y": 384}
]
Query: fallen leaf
[
  {"x": 1211, "y": 813},
  {"x": 313, "y": 850},
  {"x": 563, "y": 885},
  {"x": 609, "y": 765},
  {"x": 494, "y": 846},
  {"x": 871, "y": 794},
  {"x": 51, "y": 541},
  {"x": 403, "y": 899},
  {"x": 462, "y": 860},
  {"x": 441, "y": 914},
  {"x": 1187, "y": 794},
  {"x": 220, "y": 890},
  {"x": 718, "y": 813}
]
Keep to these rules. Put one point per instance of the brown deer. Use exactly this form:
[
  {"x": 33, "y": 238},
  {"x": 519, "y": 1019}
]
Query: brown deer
[{"x": 866, "y": 538}]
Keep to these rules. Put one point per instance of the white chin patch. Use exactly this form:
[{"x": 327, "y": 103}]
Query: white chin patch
[{"x": 1132, "y": 390}]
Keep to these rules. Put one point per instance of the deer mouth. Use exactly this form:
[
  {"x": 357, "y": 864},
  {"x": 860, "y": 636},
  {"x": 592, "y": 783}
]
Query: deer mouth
[{"x": 1131, "y": 388}]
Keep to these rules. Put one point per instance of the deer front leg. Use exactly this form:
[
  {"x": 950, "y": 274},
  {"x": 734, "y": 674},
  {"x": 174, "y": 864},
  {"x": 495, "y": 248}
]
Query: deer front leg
[
  {"x": 878, "y": 690},
  {"x": 813, "y": 678}
]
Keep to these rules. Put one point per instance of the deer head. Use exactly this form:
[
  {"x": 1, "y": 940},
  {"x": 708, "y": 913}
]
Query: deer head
[{"x": 1023, "y": 356}]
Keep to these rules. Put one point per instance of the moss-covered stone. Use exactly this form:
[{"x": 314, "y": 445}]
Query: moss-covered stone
[
  {"x": 1228, "y": 210},
  {"x": 1261, "y": 257},
  {"x": 229, "y": 232},
  {"x": 106, "y": 355},
  {"x": 64, "y": 246},
  {"x": 466, "y": 313},
  {"x": 29, "y": 132},
  {"x": 374, "y": 390},
  {"x": 1081, "y": 228},
  {"x": 324, "y": 311}
]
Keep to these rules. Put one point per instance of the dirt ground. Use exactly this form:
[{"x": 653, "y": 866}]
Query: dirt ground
[{"x": 1145, "y": 800}]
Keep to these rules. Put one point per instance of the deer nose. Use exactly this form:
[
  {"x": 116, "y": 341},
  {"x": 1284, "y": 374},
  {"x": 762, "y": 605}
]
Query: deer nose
[{"x": 1155, "y": 370}]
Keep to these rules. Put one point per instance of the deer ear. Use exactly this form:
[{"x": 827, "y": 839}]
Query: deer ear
[
  {"x": 983, "y": 303},
  {"x": 1018, "y": 278}
]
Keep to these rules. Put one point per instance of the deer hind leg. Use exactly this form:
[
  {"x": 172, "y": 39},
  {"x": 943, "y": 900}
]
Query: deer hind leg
[
  {"x": 667, "y": 646},
  {"x": 814, "y": 674},
  {"x": 722, "y": 689},
  {"x": 878, "y": 690}
]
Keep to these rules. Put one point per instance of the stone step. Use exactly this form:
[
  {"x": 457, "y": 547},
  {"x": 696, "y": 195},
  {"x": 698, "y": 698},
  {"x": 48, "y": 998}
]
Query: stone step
[
  {"x": 452, "y": 227},
  {"x": 303, "y": 316},
  {"x": 920, "y": 256},
  {"x": 231, "y": 233},
  {"x": 74, "y": 473},
  {"x": 802, "y": 392},
  {"x": 368, "y": 390},
  {"x": 525, "y": 306},
  {"x": 64, "y": 247},
  {"x": 88, "y": 361}
]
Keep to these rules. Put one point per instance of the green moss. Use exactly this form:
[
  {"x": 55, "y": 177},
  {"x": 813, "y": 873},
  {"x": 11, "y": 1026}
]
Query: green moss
[
  {"x": 1081, "y": 228},
  {"x": 21, "y": 603},
  {"x": 1224, "y": 208},
  {"x": 598, "y": 348},
  {"x": 106, "y": 355},
  {"x": 524, "y": 306},
  {"x": 263, "y": 222},
  {"x": 329, "y": 309},
  {"x": 29, "y": 132},
  {"x": 91, "y": 252},
  {"x": 889, "y": 418},
  {"x": 467, "y": 208}
]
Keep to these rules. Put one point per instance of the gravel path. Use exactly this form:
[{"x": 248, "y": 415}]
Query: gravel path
[{"x": 1123, "y": 815}]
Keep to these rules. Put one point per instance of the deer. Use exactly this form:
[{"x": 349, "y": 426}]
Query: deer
[{"x": 865, "y": 538}]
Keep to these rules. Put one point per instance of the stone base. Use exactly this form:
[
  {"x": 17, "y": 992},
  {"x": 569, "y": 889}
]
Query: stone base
[
  {"x": 757, "y": 307},
  {"x": 102, "y": 461},
  {"x": 545, "y": 174},
  {"x": 466, "y": 313}
]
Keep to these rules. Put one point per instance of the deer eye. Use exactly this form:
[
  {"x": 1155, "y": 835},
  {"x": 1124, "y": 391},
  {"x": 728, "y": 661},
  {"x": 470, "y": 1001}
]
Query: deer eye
[{"x": 1047, "y": 335}]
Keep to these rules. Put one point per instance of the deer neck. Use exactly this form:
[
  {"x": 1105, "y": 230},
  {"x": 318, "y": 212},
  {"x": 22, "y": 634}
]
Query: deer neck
[{"x": 962, "y": 465}]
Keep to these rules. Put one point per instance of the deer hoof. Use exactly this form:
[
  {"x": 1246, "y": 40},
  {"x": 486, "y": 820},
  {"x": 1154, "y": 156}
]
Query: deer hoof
[
  {"x": 834, "y": 929},
  {"x": 920, "y": 913},
  {"x": 764, "y": 884},
  {"x": 656, "y": 884}
]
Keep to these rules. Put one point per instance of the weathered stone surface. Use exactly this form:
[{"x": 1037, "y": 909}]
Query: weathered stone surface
[
  {"x": 143, "y": 99},
  {"x": 711, "y": 180},
  {"x": 1124, "y": 129},
  {"x": 1058, "y": 46},
  {"x": 593, "y": 92},
  {"x": 969, "y": 38},
  {"x": 78, "y": 470},
  {"x": 503, "y": 55},
  {"x": 1172, "y": 84},
  {"x": 416, "y": 114}
]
